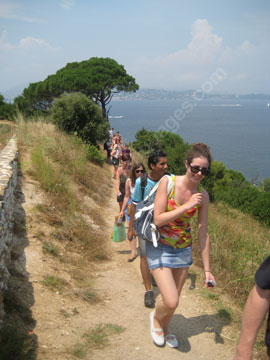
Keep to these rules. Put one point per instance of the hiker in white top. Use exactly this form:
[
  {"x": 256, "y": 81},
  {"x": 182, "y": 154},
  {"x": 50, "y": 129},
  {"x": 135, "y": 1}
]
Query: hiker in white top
[
  {"x": 115, "y": 154},
  {"x": 137, "y": 171}
]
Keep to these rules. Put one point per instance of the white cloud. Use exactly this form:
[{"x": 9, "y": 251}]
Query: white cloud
[
  {"x": 203, "y": 47},
  {"x": 67, "y": 4},
  {"x": 192, "y": 65},
  {"x": 10, "y": 11},
  {"x": 203, "y": 39},
  {"x": 27, "y": 43}
]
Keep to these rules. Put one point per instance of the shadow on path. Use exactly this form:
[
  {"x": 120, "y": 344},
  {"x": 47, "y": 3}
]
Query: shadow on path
[{"x": 185, "y": 328}]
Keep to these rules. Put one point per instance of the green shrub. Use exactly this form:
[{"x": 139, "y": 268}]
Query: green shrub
[
  {"x": 261, "y": 207},
  {"x": 265, "y": 186},
  {"x": 77, "y": 114},
  {"x": 94, "y": 154},
  {"x": 6, "y": 110}
]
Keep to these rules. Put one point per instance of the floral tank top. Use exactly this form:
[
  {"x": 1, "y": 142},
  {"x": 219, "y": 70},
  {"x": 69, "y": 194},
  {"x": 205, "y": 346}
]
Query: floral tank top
[{"x": 178, "y": 232}]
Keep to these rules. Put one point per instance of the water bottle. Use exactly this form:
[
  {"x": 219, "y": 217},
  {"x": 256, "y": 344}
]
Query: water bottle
[{"x": 120, "y": 220}]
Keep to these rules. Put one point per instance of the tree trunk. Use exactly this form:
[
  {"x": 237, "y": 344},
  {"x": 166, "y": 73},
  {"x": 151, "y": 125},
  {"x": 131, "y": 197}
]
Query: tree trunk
[{"x": 104, "y": 112}]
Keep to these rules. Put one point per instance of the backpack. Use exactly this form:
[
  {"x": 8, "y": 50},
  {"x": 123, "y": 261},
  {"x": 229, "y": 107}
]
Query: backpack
[{"x": 144, "y": 215}]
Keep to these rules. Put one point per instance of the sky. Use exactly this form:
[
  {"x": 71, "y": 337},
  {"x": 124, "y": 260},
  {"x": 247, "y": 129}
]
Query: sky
[{"x": 213, "y": 45}]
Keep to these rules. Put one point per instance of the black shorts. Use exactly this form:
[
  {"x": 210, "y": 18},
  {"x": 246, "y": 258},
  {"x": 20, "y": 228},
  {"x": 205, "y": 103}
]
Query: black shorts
[
  {"x": 262, "y": 278},
  {"x": 120, "y": 198},
  {"x": 115, "y": 161}
]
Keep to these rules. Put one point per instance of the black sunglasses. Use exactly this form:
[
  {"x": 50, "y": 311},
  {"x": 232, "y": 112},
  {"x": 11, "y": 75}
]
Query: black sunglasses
[
  {"x": 139, "y": 171},
  {"x": 195, "y": 169}
]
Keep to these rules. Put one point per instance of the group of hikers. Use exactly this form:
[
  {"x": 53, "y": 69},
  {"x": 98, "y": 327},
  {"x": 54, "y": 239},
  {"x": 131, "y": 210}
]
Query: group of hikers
[{"x": 166, "y": 266}]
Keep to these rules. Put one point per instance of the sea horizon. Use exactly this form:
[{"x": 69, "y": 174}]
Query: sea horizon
[{"x": 237, "y": 130}]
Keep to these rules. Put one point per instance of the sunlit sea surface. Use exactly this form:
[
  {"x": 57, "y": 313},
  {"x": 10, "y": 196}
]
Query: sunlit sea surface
[{"x": 238, "y": 131}]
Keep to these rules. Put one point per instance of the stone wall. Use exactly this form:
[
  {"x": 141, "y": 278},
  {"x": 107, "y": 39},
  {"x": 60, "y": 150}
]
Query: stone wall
[{"x": 8, "y": 183}]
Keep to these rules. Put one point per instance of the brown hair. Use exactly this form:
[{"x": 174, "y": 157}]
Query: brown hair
[
  {"x": 135, "y": 166},
  {"x": 199, "y": 150},
  {"x": 126, "y": 157}
]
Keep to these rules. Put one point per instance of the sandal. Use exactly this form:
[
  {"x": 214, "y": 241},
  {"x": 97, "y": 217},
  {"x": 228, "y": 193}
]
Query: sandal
[
  {"x": 158, "y": 340},
  {"x": 171, "y": 341},
  {"x": 132, "y": 259}
]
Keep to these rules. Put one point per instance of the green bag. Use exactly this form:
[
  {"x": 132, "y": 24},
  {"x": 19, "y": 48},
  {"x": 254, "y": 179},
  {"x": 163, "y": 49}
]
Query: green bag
[{"x": 119, "y": 232}]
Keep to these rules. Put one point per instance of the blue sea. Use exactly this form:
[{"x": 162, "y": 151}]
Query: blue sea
[{"x": 237, "y": 131}]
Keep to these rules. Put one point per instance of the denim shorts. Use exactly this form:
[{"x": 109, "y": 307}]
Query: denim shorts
[{"x": 167, "y": 256}]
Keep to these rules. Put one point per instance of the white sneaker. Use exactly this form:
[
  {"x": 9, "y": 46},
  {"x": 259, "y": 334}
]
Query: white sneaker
[
  {"x": 171, "y": 341},
  {"x": 159, "y": 340}
]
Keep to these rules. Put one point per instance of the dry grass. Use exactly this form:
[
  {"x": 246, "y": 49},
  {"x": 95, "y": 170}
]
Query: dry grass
[
  {"x": 94, "y": 339},
  {"x": 6, "y": 132},
  {"x": 76, "y": 191},
  {"x": 238, "y": 246}
]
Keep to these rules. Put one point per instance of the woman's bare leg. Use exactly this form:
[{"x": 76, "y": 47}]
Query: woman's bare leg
[
  {"x": 256, "y": 308},
  {"x": 120, "y": 205},
  {"x": 170, "y": 283}
]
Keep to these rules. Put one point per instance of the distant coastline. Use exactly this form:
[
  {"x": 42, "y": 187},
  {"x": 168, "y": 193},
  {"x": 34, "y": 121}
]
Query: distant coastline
[
  {"x": 160, "y": 94},
  {"x": 154, "y": 94}
]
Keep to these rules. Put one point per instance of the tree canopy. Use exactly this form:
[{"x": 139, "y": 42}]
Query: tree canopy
[
  {"x": 172, "y": 144},
  {"x": 97, "y": 78}
]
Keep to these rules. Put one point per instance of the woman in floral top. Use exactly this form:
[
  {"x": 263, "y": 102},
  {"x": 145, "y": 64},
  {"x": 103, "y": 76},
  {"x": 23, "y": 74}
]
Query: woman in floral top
[{"x": 169, "y": 262}]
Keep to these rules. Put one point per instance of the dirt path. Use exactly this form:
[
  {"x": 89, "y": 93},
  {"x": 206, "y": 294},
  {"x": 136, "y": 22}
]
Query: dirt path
[{"x": 61, "y": 320}]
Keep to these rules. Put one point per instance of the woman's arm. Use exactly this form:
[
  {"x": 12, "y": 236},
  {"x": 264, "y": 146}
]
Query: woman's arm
[
  {"x": 203, "y": 236},
  {"x": 117, "y": 181},
  {"x": 163, "y": 217},
  {"x": 126, "y": 198},
  {"x": 113, "y": 150}
]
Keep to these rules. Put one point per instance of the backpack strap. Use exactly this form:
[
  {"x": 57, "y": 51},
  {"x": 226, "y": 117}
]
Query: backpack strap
[
  {"x": 143, "y": 183},
  {"x": 169, "y": 187}
]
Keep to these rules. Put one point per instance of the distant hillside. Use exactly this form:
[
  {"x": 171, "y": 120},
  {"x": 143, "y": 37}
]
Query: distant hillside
[{"x": 156, "y": 94}]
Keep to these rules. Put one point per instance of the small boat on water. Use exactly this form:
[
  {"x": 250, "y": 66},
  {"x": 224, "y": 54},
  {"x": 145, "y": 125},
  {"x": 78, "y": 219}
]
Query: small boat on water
[{"x": 268, "y": 105}]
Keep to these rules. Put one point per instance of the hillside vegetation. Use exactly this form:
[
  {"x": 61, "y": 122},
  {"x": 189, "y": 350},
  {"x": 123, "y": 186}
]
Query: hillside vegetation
[
  {"x": 76, "y": 192},
  {"x": 60, "y": 163}
]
